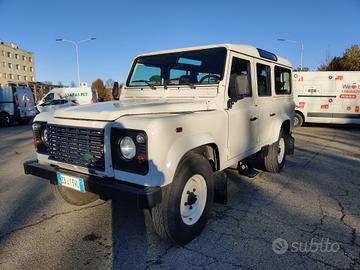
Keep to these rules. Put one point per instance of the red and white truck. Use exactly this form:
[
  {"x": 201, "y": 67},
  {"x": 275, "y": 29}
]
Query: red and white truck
[{"x": 327, "y": 97}]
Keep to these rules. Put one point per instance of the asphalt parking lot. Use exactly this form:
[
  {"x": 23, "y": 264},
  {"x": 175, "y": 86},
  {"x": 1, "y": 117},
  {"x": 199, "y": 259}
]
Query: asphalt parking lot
[{"x": 304, "y": 218}]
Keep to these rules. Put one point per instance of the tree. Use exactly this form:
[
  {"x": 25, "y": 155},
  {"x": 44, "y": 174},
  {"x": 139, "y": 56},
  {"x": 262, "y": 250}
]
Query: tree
[
  {"x": 350, "y": 61},
  {"x": 100, "y": 88},
  {"x": 109, "y": 83},
  {"x": 48, "y": 82}
]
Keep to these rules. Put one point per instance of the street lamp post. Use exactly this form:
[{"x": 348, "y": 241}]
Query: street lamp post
[
  {"x": 301, "y": 47},
  {"x": 76, "y": 44}
]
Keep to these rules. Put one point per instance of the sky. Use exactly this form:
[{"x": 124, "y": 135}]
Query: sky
[{"x": 124, "y": 29}]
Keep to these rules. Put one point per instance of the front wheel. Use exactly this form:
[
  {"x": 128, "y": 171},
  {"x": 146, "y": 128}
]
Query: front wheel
[
  {"x": 186, "y": 204},
  {"x": 275, "y": 155}
]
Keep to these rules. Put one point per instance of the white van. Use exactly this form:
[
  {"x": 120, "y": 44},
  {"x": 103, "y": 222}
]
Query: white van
[
  {"x": 327, "y": 97},
  {"x": 67, "y": 96},
  {"x": 16, "y": 104}
]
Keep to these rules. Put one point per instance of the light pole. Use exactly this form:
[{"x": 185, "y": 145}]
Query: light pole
[
  {"x": 301, "y": 47},
  {"x": 76, "y": 44}
]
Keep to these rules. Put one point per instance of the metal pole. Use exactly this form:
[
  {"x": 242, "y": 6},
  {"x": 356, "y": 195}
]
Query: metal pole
[
  {"x": 77, "y": 62},
  {"x": 301, "y": 56},
  {"x": 76, "y": 44}
]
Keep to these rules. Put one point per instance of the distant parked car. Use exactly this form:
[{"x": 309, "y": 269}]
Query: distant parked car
[{"x": 16, "y": 104}]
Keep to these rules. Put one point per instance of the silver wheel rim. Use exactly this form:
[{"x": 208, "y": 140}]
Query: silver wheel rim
[
  {"x": 281, "y": 152},
  {"x": 193, "y": 199},
  {"x": 296, "y": 121}
]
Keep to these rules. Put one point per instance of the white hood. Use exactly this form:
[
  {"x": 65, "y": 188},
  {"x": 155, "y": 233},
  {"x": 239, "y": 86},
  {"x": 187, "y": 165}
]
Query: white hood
[{"x": 112, "y": 110}]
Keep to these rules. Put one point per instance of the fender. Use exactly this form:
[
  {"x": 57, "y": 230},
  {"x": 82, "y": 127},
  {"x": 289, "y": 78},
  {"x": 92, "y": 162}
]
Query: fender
[
  {"x": 276, "y": 127},
  {"x": 179, "y": 148}
]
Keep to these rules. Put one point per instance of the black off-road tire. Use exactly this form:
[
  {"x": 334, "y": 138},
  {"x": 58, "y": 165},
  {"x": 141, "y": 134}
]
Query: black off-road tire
[
  {"x": 298, "y": 121},
  {"x": 271, "y": 161},
  {"x": 166, "y": 216},
  {"x": 72, "y": 196}
]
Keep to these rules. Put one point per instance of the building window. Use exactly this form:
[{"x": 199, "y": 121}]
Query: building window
[
  {"x": 11, "y": 76},
  {"x": 24, "y": 58},
  {"x": 32, "y": 79},
  {"x": 17, "y": 66},
  {"x": 3, "y": 64},
  {"x": 31, "y": 69},
  {"x": 10, "y": 65},
  {"x": 16, "y": 56},
  {"x": 24, "y": 68},
  {"x": 4, "y": 75},
  {"x": 8, "y": 54},
  {"x": 25, "y": 77},
  {"x": 19, "y": 77},
  {"x": 30, "y": 59}
]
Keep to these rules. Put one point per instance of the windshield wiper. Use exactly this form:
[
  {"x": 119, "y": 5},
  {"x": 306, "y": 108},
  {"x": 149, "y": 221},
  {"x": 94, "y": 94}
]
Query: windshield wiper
[{"x": 147, "y": 82}]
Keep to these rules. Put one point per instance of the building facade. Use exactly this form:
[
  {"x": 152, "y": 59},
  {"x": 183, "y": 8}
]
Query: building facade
[{"x": 17, "y": 66}]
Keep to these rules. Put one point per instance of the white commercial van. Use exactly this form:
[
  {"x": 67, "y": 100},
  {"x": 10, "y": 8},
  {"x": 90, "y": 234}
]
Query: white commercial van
[
  {"x": 327, "y": 97},
  {"x": 67, "y": 96}
]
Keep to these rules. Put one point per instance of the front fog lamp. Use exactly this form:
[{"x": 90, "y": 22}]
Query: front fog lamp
[
  {"x": 140, "y": 138},
  {"x": 127, "y": 147}
]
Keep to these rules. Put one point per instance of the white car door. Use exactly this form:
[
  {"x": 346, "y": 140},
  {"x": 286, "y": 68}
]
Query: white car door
[{"x": 242, "y": 111}]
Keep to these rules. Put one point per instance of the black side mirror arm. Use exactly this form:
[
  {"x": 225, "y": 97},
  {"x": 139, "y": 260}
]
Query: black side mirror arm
[{"x": 115, "y": 91}]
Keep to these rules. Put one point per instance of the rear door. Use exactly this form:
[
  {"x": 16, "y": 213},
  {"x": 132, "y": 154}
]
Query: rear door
[
  {"x": 264, "y": 100},
  {"x": 242, "y": 112},
  {"x": 348, "y": 101},
  {"x": 25, "y": 102}
]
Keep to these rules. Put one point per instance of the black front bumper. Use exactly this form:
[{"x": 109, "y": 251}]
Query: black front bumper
[{"x": 105, "y": 187}]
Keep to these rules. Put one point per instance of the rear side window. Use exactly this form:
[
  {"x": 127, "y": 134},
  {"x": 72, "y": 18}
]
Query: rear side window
[
  {"x": 263, "y": 80},
  {"x": 282, "y": 81}
]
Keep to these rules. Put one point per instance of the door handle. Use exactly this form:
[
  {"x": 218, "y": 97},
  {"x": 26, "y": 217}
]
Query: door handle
[
  {"x": 253, "y": 119},
  {"x": 272, "y": 114}
]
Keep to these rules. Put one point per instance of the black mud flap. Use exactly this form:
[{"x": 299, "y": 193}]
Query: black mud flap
[
  {"x": 220, "y": 192},
  {"x": 290, "y": 144}
]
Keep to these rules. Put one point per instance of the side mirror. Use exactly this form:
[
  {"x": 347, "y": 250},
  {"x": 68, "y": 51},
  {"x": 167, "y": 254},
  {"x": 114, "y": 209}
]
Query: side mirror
[{"x": 115, "y": 90}]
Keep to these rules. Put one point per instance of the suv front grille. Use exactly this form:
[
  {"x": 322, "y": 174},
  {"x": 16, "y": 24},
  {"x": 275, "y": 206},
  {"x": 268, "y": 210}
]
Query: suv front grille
[{"x": 77, "y": 146}]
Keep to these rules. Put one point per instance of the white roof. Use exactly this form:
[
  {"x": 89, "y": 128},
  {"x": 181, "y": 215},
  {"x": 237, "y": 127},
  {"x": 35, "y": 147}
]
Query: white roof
[{"x": 240, "y": 48}]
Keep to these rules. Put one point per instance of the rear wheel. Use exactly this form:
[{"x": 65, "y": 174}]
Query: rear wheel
[
  {"x": 6, "y": 120},
  {"x": 298, "y": 120},
  {"x": 186, "y": 204},
  {"x": 72, "y": 196},
  {"x": 274, "y": 158}
]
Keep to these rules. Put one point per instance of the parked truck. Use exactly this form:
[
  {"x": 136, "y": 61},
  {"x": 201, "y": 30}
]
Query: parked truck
[
  {"x": 16, "y": 104},
  {"x": 327, "y": 97},
  {"x": 184, "y": 116}
]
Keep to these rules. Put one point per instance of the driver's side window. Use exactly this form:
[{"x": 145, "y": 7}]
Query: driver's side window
[{"x": 240, "y": 79}]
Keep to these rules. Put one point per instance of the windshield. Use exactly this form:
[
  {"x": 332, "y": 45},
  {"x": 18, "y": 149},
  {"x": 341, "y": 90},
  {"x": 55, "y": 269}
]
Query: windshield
[{"x": 181, "y": 68}]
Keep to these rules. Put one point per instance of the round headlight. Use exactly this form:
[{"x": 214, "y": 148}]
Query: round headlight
[
  {"x": 127, "y": 147},
  {"x": 45, "y": 137}
]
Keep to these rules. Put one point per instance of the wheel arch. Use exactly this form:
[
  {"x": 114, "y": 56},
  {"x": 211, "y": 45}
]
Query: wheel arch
[
  {"x": 301, "y": 114},
  {"x": 204, "y": 145}
]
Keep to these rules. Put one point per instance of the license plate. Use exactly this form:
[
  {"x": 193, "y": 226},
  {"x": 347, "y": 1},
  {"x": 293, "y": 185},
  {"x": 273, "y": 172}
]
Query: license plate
[{"x": 70, "y": 182}]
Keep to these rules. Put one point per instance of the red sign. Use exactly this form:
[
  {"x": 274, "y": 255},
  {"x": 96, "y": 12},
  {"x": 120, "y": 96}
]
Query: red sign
[
  {"x": 325, "y": 106},
  {"x": 348, "y": 96},
  {"x": 357, "y": 108},
  {"x": 301, "y": 105},
  {"x": 339, "y": 77}
]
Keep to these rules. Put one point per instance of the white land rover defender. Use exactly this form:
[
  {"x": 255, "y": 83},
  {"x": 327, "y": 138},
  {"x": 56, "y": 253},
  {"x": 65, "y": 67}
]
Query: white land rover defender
[{"x": 183, "y": 116}]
